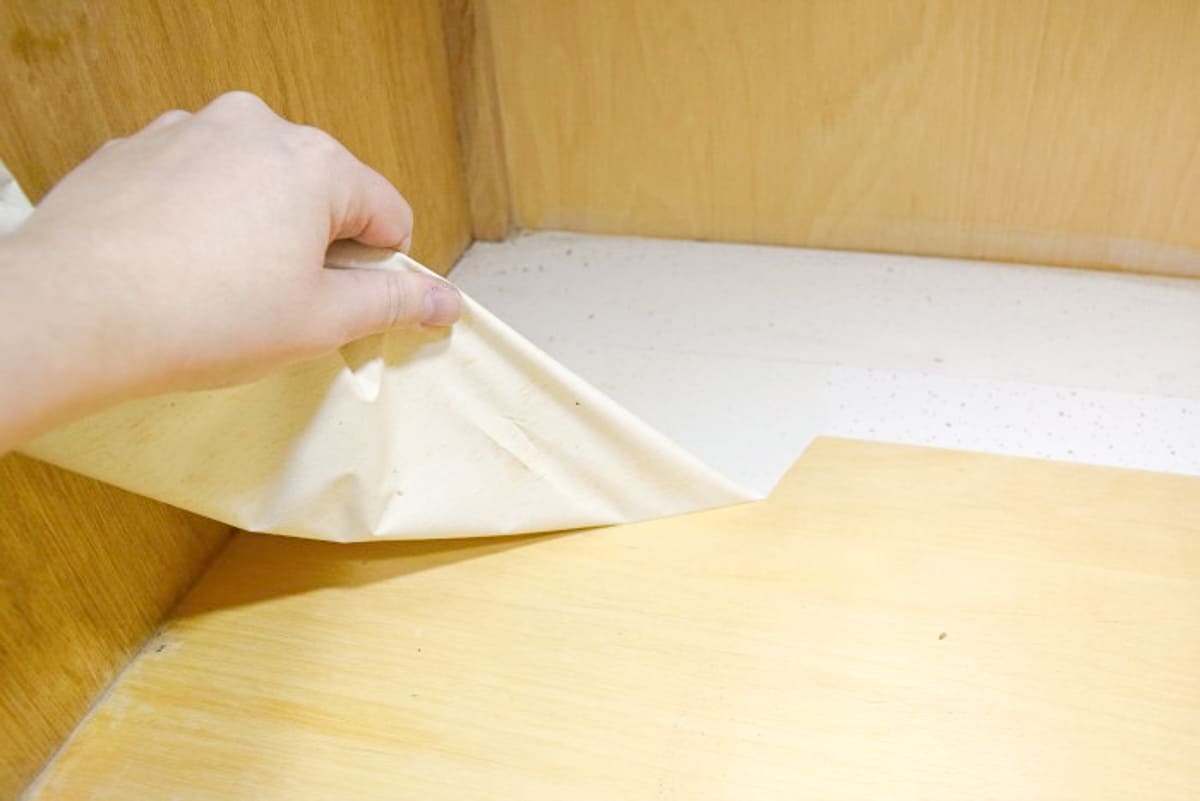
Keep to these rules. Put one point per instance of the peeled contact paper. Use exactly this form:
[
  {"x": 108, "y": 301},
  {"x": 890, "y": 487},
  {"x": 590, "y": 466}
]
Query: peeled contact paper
[{"x": 466, "y": 432}]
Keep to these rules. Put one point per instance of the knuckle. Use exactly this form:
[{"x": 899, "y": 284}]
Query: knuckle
[
  {"x": 169, "y": 116},
  {"x": 241, "y": 102},
  {"x": 394, "y": 301},
  {"x": 398, "y": 301}
]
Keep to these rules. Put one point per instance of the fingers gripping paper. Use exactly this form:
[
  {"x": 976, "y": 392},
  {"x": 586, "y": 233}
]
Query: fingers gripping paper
[{"x": 472, "y": 431}]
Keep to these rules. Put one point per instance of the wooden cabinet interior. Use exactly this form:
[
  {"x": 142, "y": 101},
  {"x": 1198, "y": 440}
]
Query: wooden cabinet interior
[{"x": 1026, "y": 130}]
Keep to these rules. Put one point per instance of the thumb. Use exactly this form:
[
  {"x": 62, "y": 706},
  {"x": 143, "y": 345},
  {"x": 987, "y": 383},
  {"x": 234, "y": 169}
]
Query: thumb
[{"x": 365, "y": 302}]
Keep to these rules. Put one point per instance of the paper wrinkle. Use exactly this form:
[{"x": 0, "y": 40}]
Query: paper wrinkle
[{"x": 468, "y": 431}]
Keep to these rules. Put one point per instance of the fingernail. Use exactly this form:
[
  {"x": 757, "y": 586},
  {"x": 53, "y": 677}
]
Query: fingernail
[{"x": 442, "y": 306}]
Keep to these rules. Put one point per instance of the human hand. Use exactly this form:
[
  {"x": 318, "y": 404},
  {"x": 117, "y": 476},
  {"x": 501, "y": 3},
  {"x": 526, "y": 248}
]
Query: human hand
[{"x": 191, "y": 255}]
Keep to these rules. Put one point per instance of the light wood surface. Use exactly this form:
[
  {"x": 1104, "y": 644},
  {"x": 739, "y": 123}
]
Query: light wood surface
[
  {"x": 1059, "y": 131},
  {"x": 473, "y": 83},
  {"x": 86, "y": 574},
  {"x": 372, "y": 73},
  {"x": 893, "y": 623}
]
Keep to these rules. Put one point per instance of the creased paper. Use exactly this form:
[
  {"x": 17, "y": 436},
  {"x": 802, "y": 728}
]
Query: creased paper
[{"x": 466, "y": 432}]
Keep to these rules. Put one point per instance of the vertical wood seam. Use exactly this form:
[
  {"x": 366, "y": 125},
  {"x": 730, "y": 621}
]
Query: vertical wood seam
[{"x": 480, "y": 135}]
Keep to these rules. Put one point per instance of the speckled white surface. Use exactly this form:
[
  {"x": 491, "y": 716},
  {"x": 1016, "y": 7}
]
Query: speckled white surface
[{"x": 744, "y": 353}]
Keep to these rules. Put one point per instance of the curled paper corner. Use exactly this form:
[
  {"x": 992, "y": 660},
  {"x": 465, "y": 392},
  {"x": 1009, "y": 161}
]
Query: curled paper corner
[{"x": 471, "y": 431}]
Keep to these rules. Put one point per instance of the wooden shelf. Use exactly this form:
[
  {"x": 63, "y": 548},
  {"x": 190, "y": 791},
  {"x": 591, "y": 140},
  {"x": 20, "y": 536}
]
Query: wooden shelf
[{"x": 894, "y": 622}]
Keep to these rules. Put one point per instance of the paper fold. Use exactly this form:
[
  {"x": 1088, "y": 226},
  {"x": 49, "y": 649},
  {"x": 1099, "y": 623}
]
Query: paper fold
[{"x": 465, "y": 432}]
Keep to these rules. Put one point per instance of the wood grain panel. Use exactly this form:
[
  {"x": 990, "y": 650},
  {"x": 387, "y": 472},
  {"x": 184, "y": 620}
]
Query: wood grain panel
[
  {"x": 73, "y": 74},
  {"x": 893, "y": 622},
  {"x": 469, "y": 51},
  {"x": 86, "y": 574},
  {"x": 1060, "y": 131}
]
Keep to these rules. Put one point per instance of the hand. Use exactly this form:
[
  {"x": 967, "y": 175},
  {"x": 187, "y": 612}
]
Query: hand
[{"x": 191, "y": 255}]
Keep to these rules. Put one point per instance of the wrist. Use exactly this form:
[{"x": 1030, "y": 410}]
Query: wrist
[{"x": 55, "y": 364}]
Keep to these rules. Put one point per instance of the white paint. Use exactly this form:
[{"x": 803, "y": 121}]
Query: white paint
[{"x": 744, "y": 353}]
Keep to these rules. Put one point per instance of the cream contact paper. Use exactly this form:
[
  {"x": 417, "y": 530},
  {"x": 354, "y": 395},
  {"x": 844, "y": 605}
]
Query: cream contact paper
[{"x": 466, "y": 432}]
